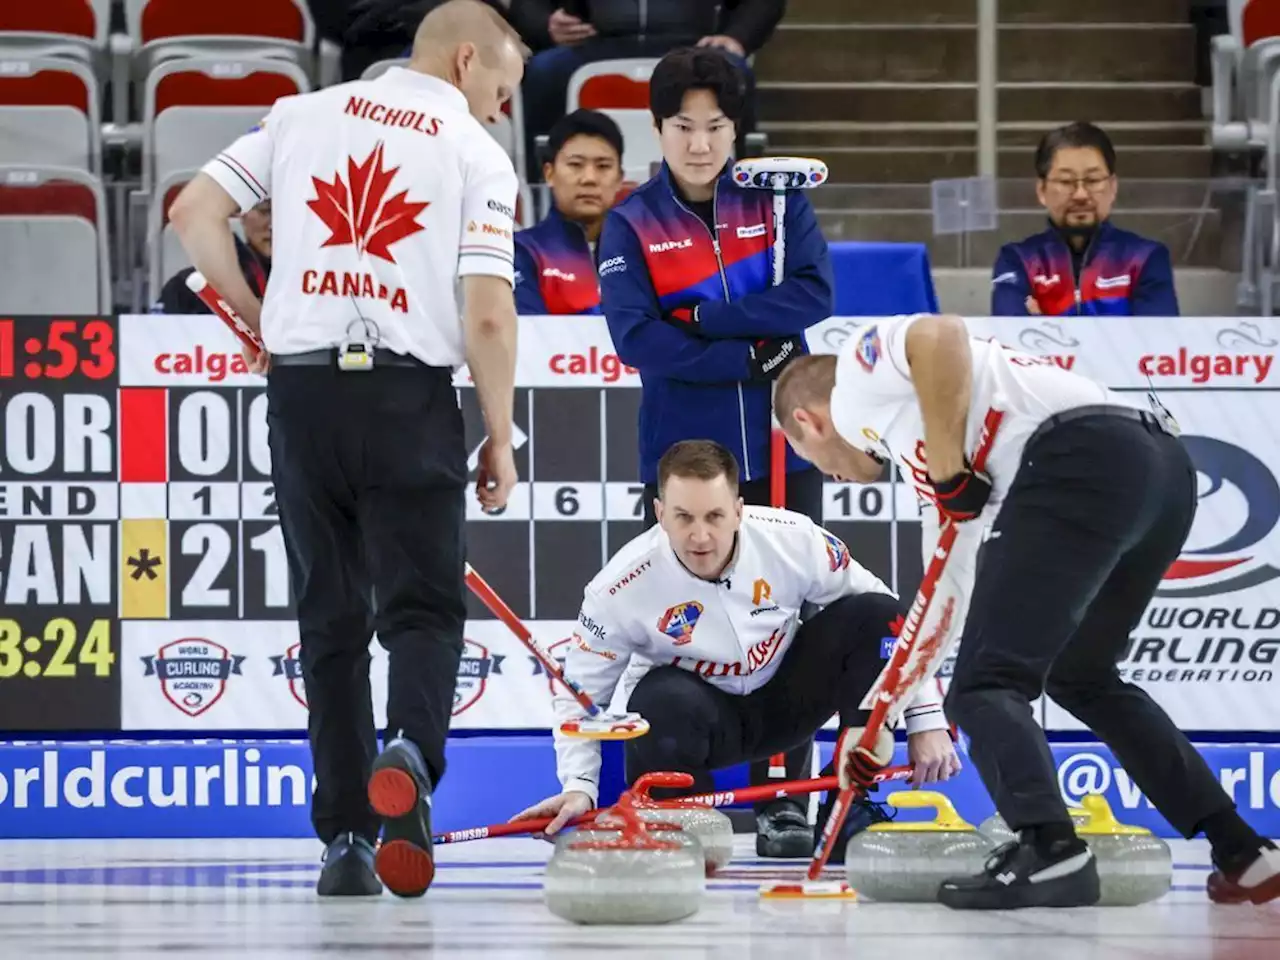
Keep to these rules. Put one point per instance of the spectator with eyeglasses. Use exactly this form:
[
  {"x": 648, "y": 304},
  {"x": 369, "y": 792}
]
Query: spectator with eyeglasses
[{"x": 1082, "y": 265}]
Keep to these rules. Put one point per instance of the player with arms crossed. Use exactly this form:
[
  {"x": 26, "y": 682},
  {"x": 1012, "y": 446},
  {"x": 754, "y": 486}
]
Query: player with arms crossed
[
  {"x": 706, "y": 610},
  {"x": 1082, "y": 507}
]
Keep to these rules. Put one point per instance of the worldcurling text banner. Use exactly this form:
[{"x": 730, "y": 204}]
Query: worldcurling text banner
[{"x": 142, "y": 567}]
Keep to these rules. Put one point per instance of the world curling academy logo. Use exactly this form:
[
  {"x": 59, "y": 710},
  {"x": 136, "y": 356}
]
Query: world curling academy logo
[
  {"x": 193, "y": 673},
  {"x": 474, "y": 670},
  {"x": 678, "y": 622},
  {"x": 290, "y": 667},
  {"x": 1238, "y": 510}
]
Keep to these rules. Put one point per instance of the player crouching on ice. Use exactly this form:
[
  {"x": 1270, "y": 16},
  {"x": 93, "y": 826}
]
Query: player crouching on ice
[
  {"x": 1081, "y": 503},
  {"x": 702, "y": 614}
]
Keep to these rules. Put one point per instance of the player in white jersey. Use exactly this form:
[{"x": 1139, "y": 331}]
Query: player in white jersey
[
  {"x": 389, "y": 200},
  {"x": 1083, "y": 504},
  {"x": 697, "y": 622}
]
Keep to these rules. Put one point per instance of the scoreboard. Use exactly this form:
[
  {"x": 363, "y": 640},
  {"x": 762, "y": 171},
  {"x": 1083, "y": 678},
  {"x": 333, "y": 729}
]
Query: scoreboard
[{"x": 143, "y": 577}]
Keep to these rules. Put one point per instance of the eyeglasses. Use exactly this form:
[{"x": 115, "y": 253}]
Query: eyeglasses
[{"x": 1071, "y": 184}]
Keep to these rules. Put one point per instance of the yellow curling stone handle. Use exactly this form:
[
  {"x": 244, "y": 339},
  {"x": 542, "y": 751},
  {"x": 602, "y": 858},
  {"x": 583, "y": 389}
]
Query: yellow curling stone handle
[
  {"x": 946, "y": 818},
  {"x": 1102, "y": 822}
]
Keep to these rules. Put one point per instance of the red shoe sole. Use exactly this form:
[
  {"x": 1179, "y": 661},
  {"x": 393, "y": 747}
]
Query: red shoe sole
[
  {"x": 1222, "y": 890},
  {"x": 392, "y": 792},
  {"x": 405, "y": 868}
]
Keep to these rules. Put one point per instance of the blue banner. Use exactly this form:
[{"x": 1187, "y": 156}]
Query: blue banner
[{"x": 262, "y": 788}]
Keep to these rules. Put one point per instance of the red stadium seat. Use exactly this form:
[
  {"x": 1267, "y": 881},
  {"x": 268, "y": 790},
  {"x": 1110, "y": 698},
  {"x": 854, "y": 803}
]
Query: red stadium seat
[
  {"x": 81, "y": 21},
  {"x": 262, "y": 19},
  {"x": 620, "y": 88},
  {"x": 1259, "y": 20},
  {"x": 53, "y": 232},
  {"x": 165, "y": 29},
  {"x": 196, "y": 106},
  {"x": 49, "y": 113}
]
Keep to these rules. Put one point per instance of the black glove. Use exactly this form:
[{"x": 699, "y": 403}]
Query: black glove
[
  {"x": 963, "y": 496},
  {"x": 768, "y": 357}
]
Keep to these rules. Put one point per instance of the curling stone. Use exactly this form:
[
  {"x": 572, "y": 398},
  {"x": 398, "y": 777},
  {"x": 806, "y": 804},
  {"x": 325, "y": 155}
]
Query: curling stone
[
  {"x": 626, "y": 873},
  {"x": 997, "y": 831},
  {"x": 906, "y": 861},
  {"x": 1134, "y": 865},
  {"x": 712, "y": 829}
]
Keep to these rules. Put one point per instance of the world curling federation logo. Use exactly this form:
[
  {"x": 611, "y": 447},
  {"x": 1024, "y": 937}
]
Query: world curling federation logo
[
  {"x": 193, "y": 673},
  {"x": 1239, "y": 507},
  {"x": 474, "y": 670}
]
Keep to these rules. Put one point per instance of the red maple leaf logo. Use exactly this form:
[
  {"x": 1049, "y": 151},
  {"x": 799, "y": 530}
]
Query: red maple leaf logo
[{"x": 359, "y": 212}]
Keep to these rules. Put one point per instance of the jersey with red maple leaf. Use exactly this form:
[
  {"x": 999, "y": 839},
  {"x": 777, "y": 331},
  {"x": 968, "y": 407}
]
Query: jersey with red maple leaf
[
  {"x": 360, "y": 213},
  {"x": 385, "y": 193}
]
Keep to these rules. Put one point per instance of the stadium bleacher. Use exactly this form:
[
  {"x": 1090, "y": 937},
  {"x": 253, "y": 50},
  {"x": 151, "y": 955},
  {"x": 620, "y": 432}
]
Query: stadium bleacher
[{"x": 136, "y": 93}]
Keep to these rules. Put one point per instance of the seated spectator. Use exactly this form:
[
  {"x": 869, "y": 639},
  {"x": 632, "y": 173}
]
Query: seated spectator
[
  {"x": 1081, "y": 265},
  {"x": 555, "y": 260},
  {"x": 253, "y": 252},
  {"x": 569, "y": 34}
]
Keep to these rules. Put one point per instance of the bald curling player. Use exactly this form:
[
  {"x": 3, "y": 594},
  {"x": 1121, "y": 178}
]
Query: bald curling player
[{"x": 1062, "y": 539}]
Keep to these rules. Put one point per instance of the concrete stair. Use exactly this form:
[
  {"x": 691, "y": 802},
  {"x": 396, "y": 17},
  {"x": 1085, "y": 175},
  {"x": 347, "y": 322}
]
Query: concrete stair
[{"x": 886, "y": 95}]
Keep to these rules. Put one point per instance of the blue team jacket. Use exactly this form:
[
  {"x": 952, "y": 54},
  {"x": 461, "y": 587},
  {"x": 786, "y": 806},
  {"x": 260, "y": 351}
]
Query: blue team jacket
[
  {"x": 1122, "y": 274},
  {"x": 656, "y": 255},
  {"x": 555, "y": 270}
]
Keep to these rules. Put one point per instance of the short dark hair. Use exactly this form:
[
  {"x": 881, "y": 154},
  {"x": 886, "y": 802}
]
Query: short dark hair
[
  {"x": 583, "y": 123},
  {"x": 696, "y": 68},
  {"x": 1078, "y": 134},
  {"x": 697, "y": 460}
]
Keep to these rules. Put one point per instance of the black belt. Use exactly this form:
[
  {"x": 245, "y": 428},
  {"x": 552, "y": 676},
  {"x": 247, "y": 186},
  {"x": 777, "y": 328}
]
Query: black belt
[
  {"x": 1145, "y": 417},
  {"x": 328, "y": 357}
]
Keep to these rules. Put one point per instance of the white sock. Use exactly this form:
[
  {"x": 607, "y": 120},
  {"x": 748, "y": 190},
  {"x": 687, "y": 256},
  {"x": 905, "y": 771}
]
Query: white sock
[{"x": 1266, "y": 866}]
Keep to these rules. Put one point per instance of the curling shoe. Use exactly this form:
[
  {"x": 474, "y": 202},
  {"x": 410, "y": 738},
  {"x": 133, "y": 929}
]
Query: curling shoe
[
  {"x": 400, "y": 793},
  {"x": 1256, "y": 880},
  {"x": 348, "y": 869},
  {"x": 1022, "y": 873},
  {"x": 863, "y": 812},
  {"x": 783, "y": 831}
]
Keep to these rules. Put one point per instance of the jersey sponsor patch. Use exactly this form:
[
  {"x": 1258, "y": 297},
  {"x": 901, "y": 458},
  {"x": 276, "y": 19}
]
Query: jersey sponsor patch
[
  {"x": 613, "y": 265},
  {"x": 678, "y": 622},
  {"x": 868, "y": 350},
  {"x": 837, "y": 552}
]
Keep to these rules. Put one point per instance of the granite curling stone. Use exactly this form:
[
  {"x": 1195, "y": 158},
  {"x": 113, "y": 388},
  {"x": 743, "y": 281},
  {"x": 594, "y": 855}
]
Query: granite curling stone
[
  {"x": 1134, "y": 865},
  {"x": 708, "y": 825},
  {"x": 628, "y": 873},
  {"x": 997, "y": 831},
  {"x": 906, "y": 861}
]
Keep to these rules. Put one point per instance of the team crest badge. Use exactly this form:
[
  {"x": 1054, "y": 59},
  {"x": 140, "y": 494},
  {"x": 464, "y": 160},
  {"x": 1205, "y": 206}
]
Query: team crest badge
[
  {"x": 837, "y": 552},
  {"x": 193, "y": 673},
  {"x": 474, "y": 670},
  {"x": 868, "y": 349},
  {"x": 678, "y": 622},
  {"x": 290, "y": 667}
]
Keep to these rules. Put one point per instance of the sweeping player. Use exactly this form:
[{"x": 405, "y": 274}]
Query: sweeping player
[
  {"x": 706, "y": 608},
  {"x": 1084, "y": 504}
]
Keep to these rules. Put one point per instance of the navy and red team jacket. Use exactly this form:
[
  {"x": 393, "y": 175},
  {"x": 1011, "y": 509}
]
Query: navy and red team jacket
[
  {"x": 1122, "y": 274},
  {"x": 555, "y": 271},
  {"x": 654, "y": 256}
]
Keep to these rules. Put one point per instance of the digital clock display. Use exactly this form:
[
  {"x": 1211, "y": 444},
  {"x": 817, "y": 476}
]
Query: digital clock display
[{"x": 38, "y": 349}]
